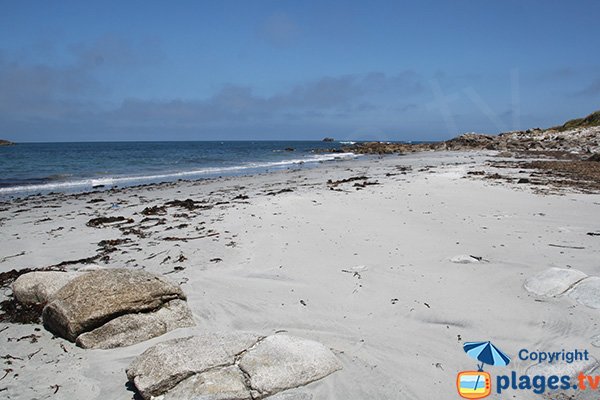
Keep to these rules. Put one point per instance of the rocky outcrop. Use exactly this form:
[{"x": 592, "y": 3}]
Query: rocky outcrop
[
  {"x": 6, "y": 143},
  {"x": 116, "y": 307},
  {"x": 235, "y": 366}
]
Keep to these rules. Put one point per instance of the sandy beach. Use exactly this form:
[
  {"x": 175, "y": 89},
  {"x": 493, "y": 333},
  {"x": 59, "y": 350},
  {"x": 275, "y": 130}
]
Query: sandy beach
[{"x": 393, "y": 270}]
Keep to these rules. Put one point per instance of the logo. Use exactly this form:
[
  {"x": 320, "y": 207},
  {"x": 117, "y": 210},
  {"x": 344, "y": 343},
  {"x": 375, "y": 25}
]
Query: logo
[
  {"x": 478, "y": 384},
  {"x": 474, "y": 384}
]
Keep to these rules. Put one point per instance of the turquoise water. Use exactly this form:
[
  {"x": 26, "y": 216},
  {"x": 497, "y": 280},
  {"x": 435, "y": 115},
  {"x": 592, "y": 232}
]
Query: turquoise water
[{"x": 29, "y": 168}]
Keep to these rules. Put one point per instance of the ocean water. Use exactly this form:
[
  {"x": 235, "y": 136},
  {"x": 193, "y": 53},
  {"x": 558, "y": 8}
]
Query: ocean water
[{"x": 30, "y": 168}]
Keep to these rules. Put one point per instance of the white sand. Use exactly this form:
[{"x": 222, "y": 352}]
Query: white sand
[{"x": 279, "y": 250}]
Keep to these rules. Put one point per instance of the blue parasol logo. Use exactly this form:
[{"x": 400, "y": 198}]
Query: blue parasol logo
[{"x": 486, "y": 353}]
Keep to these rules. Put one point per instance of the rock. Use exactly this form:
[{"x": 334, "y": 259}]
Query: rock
[
  {"x": 231, "y": 366},
  {"x": 221, "y": 384},
  {"x": 553, "y": 282},
  {"x": 94, "y": 298},
  {"x": 282, "y": 362},
  {"x": 163, "y": 366},
  {"x": 587, "y": 292},
  {"x": 328, "y": 139},
  {"x": 135, "y": 328},
  {"x": 6, "y": 143},
  {"x": 40, "y": 286}
]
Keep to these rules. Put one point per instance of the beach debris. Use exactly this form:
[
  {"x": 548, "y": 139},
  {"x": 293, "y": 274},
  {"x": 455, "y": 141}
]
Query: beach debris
[
  {"x": 466, "y": 259},
  {"x": 116, "y": 307},
  {"x": 112, "y": 221},
  {"x": 232, "y": 365},
  {"x": 333, "y": 183},
  {"x": 566, "y": 247},
  {"x": 593, "y": 233},
  {"x": 188, "y": 204},
  {"x": 216, "y": 260},
  {"x": 22, "y": 253},
  {"x": 553, "y": 281},
  {"x": 303, "y": 302},
  {"x": 154, "y": 210},
  {"x": 276, "y": 192},
  {"x": 241, "y": 197}
]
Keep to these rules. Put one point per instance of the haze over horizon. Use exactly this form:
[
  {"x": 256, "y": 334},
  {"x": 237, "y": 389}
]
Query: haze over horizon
[{"x": 285, "y": 70}]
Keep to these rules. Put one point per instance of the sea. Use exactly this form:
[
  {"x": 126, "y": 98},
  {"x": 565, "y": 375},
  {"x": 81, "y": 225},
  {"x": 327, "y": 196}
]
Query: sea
[{"x": 41, "y": 168}]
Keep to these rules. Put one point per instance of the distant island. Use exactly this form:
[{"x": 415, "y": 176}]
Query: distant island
[
  {"x": 6, "y": 143},
  {"x": 328, "y": 139}
]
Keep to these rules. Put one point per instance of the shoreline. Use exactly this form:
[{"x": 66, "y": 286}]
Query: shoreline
[{"x": 271, "y": 252}]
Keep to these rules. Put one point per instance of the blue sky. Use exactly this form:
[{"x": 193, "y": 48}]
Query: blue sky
[{"x": 226, "y": 70}]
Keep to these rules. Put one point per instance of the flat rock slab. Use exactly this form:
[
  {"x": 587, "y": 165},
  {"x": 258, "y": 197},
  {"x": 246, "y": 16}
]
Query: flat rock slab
[
  {"x": 587, "y": 292},
  {"x": 553, "y": 281},
  {"x": 39, "y": 287},
  {"x": 163, "y": 366},
  {"x": 282, "y": 362},
  {"x": 94, "y": 298},
  {"x": 231, "y": 366},
  {"x": 135, "y": 328}
]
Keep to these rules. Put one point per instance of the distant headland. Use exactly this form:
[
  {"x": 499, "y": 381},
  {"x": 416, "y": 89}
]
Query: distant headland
[{"x": 6, "y": 143}]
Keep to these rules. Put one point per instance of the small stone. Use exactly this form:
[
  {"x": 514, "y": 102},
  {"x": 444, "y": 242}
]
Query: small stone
[
  {"x": 465, "y": 259},
  {"x": 553, "y": 282}
]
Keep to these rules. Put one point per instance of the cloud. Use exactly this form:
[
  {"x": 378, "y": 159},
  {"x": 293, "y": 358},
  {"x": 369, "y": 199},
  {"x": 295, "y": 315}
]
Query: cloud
[
  {"x": 327, "y": 97},
  {"x": 31, "y": 90}
]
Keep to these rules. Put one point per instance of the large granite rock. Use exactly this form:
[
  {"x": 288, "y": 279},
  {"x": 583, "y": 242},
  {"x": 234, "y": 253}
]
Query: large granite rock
[
  {"x": 231, "y": 366},
  {"x": 40, "y": 286},
  {"x": 282, "y": 362},
  {"x": 116, "y": 307},
  {"x": 163, "y": 366},
  {"x": 129, "y": 329},
  {"x": 553, "y": 281},
  {"x": 91, "y": 300}
]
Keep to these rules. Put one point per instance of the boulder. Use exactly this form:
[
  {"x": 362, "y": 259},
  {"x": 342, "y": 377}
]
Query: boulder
[
  {"x": 163, "y": 366},
  {"x": 129, "y": 329},
  {"x": 587, "y": 292},
  {"x": 281, "y": 362},
  {"x": 40, "y": 286},
  {"x": 96, "y": 297},
  {"x": 231, "y": 366},
  {"x": 553, "y": 281}
]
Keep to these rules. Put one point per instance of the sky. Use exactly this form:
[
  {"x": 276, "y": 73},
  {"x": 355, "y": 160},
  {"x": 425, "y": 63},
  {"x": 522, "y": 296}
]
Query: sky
[{"x": 293, "y": 70}]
